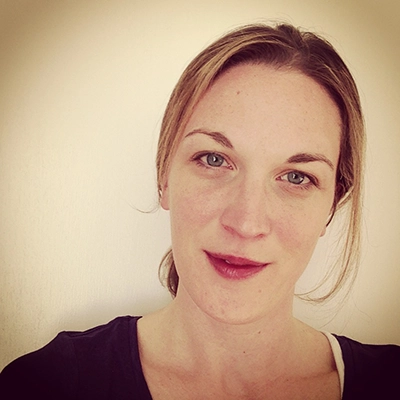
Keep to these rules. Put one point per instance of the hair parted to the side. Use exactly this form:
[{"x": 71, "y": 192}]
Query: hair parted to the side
[{"x": 279, "y": 46}]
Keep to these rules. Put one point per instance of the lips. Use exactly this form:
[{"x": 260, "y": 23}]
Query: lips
[{"x": 235, "y": 268}]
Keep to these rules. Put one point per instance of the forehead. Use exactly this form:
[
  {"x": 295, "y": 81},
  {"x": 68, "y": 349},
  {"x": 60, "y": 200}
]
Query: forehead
[{"x": 264, "y": 102}]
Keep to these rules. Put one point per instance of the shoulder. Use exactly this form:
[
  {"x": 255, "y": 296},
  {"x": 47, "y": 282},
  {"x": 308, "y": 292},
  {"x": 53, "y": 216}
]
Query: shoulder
[
  {"x": 371, "y": 370},
  {"x": 100, "y": 340},
  {"x": 74, "y": 362},
  {"x": 361, "y": 357}
]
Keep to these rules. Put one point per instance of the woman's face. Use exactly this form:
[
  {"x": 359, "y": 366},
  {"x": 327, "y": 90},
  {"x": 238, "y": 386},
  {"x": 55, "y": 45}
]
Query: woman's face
[{"x": 250, "y": 189}]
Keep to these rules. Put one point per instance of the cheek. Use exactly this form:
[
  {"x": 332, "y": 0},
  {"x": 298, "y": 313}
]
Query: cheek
[
  {"x": 298, "y": 232},
  {"x": 192, "y": 207}
]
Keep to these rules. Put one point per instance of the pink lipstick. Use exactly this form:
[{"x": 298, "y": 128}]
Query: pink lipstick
[{"x": 235, "y": 268}]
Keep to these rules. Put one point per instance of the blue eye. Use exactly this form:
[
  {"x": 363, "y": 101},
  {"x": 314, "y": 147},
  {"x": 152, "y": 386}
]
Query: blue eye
[
  {"x": 299, "y": 180},
  {"x": 214, "y": 160},
  {"x": 296, "y": 178}
]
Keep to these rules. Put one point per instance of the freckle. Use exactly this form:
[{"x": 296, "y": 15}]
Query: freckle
[
  {"x": 259, "y": 332},
  {"x": 244, "y": 352},
  {"x": 238, "y": 92}
]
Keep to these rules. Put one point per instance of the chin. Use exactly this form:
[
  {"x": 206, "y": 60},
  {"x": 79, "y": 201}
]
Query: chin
[
  {"x": 241, "y": 310},
  {"x": 235, "y": 318}
]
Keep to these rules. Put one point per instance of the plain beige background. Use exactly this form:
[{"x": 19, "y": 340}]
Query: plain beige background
[{"x": 83, "y": 85}]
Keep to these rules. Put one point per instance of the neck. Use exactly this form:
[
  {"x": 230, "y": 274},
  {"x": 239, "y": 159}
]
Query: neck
[
  {"x": 225, "y": 359},
  {"x": 200, "y": 340}
]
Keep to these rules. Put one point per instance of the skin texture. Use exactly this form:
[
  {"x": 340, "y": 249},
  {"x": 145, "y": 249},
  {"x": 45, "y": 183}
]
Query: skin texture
[
  {"x": 252, "y": 181},
  {"x": 247, "y": 207}
]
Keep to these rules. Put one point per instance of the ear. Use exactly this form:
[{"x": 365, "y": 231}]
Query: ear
[{"x": 164, "y": 199}]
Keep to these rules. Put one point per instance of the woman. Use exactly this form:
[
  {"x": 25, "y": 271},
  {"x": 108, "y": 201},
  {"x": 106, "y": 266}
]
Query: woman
[{"x": 261, "y": 143}]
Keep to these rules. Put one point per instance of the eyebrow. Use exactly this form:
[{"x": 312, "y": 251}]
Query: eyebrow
[
  {"x": 300, "y": 158},
  {"x": 217, "y": 136},
  {"x": 310, "y": 157}
]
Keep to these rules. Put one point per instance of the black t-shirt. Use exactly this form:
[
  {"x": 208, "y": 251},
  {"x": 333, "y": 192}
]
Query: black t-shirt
[
  {"x": 371, "y": 371},
  {"x": 103, "y": 363}
]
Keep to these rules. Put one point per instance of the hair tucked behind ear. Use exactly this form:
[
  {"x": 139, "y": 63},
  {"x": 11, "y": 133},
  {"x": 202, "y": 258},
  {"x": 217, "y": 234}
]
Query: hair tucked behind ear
[{"x": 280, "y": 46}]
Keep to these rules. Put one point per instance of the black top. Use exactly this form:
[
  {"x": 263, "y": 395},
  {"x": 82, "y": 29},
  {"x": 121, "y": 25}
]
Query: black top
[
  {"x": 104, "y": 363},
  {"x": 371, "y": 371}
]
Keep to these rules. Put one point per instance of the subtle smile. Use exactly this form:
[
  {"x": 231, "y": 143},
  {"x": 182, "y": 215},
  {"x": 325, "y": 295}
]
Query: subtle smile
[{"x": 235, "y": 268}]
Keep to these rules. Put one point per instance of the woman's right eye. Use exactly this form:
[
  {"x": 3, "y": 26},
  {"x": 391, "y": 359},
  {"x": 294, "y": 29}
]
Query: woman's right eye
[{"x": 213, "y": 160}]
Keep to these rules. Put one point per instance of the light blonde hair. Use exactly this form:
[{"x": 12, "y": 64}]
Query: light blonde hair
[{"x": 280, "y": 46}]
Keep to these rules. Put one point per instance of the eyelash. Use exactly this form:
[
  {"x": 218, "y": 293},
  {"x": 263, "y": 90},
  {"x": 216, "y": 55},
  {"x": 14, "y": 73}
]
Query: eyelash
[
  {"x": 303, "y": 186},
  {"x": 312, "y": 181},
  {"x": 198, "y": 158}
]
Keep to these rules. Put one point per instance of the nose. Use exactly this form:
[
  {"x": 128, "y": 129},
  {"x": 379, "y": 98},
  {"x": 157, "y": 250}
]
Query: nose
[{"x": 247, "y": 212}]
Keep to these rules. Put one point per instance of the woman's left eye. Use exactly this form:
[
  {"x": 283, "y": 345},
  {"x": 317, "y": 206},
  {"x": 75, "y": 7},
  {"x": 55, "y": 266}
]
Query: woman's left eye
[
  {"x": 296, "y": 178},
  {"x": 214, "y": 160}
]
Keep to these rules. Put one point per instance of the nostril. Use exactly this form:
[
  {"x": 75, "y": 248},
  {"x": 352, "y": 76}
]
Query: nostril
[
  {"x": 245, "y": 213},
  {"x": 244, "y": 224}
]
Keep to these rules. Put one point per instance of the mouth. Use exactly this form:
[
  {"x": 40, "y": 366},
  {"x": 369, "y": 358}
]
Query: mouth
[{"x": 234, "y": 268}]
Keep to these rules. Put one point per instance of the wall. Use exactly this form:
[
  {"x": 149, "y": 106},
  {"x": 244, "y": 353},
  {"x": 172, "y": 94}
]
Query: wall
[{"x": 83, "y": 85}]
